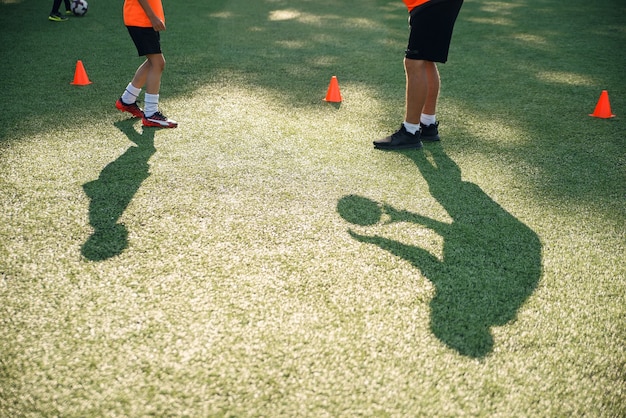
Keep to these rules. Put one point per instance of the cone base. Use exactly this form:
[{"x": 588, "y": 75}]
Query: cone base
[{"x": 602, "y": 116}]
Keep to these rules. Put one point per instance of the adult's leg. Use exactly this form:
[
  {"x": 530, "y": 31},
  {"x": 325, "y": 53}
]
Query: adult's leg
[
  {"x": 416, "y": 89},
  {"x": 434, "y": 84}
]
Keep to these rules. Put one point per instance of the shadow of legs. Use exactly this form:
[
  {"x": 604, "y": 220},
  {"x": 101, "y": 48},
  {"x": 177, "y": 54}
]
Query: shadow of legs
[{"x": 113, "y": 191}]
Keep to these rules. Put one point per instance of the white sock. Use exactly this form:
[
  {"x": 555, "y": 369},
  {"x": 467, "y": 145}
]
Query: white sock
[
  {"x": 411, "y": 127},
  {"x": 152, "y": 104},
  {"x": 428, "y": 119},
  {"x": 130, "y": 94}
]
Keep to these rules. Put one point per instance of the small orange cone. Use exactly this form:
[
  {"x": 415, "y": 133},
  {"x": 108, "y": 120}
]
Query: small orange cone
[
  {"x": 333, "y": 95},
  {"x": 80, "y": 75},
  {"x": 603, "y": 108}
]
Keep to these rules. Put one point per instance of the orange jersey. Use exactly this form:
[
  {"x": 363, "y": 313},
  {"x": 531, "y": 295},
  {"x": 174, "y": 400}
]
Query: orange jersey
[
  {"x": 134, "y": 15},
  {"x": 412, "y": 4}
]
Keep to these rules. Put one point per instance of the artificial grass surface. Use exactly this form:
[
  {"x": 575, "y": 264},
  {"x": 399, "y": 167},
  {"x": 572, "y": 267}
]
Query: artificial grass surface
[{"x": 264, "y": 260}]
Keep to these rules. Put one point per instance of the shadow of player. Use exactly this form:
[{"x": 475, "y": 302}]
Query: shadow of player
[
  {"x": 113, "y": 191},
  {"x": 491, "y": 261}
]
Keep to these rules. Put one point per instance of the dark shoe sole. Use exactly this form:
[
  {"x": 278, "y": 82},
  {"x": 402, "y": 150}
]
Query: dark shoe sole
[
  {"x": 149, "y": 124},
  {"x": 395, "y": 147}
]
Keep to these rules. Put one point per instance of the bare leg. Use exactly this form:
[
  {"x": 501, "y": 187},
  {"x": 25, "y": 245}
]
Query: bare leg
[
  {"x": 149, "y": 73},
  {"x": 434, "y": 83},
  {"x": 416, "y": 89}
]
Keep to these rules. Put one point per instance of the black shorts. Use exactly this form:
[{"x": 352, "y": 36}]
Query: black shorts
[
  {"x": 431, "y": 30},
  {"x": 147, "y": 40}
]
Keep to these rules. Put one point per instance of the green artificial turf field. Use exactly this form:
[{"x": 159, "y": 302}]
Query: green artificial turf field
[{"x": 263, "y": 259}]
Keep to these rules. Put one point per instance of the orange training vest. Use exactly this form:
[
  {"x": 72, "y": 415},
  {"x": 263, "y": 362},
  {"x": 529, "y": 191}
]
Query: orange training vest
[
  {"x": 134, "y": 15},
  {"x": 412, "y": 4}
]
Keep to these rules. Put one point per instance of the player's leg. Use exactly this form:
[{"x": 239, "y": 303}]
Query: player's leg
[
  {"x": 128, "y": 101},
  {"x": 151, "y": 77},
  {"x": 155, "y": 67},
  {"x": 434, "y": 84},
  {"x": 416, "y": 89},
  {"x": 415, "y": 65},
  {"x": 432, "y": 26},
  {"x": 144, "y": 40},
  {"x": 428, "y": 120},
  {"x": 55, "y": 16},
  {"x": 149, "y": 73},
  {"x": 152, "y": 116}
]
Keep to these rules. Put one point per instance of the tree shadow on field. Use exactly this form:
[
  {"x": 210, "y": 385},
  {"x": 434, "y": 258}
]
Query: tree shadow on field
[
  {"x": 113, "y": 191},
  {"x": 491, "y": 261}
]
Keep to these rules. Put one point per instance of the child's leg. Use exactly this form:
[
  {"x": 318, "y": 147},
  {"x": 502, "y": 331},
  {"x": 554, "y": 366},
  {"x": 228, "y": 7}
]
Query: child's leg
[
  {"x": 139, "y": 79},
  {"x": 156, "y": 65},
  {"x": 133, "y": 89},
  {"x": 55, "y": 7},
  {"x": 128, "y": 100},
  {"x": 149, "y": 74}
]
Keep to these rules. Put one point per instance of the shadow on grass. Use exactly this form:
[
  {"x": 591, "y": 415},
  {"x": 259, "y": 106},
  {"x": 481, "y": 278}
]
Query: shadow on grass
[
  {"x": 113, "y": 191},
  {"x": 491, "y": 261}
]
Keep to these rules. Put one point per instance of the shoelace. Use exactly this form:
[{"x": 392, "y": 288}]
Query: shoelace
[{"x": 157, "y": 115}]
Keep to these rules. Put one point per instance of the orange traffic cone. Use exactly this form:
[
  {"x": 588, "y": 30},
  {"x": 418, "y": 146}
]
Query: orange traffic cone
[
  {"x": 333, "y": 95},
  {"x": 80, "y": 75},
  {"x": 603, "y": 108}
]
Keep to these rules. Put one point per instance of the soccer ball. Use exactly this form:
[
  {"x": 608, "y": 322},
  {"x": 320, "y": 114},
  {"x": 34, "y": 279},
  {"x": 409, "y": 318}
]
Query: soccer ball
[{"x": 79, "y": 7}]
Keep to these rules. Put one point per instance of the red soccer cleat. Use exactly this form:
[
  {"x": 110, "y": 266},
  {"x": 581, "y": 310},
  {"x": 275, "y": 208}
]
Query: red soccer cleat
[
  {"x": 133, "y": 109},
  {"x": 158, "y": 120}
]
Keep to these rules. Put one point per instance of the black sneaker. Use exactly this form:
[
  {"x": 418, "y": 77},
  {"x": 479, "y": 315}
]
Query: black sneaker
[
  {"x": 429, "y": 133},
  {"x": 402, "y": 139}
]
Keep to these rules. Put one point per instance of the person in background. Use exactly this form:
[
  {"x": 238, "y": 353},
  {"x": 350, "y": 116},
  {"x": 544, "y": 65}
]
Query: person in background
[{"x": 55, "y": 14}]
